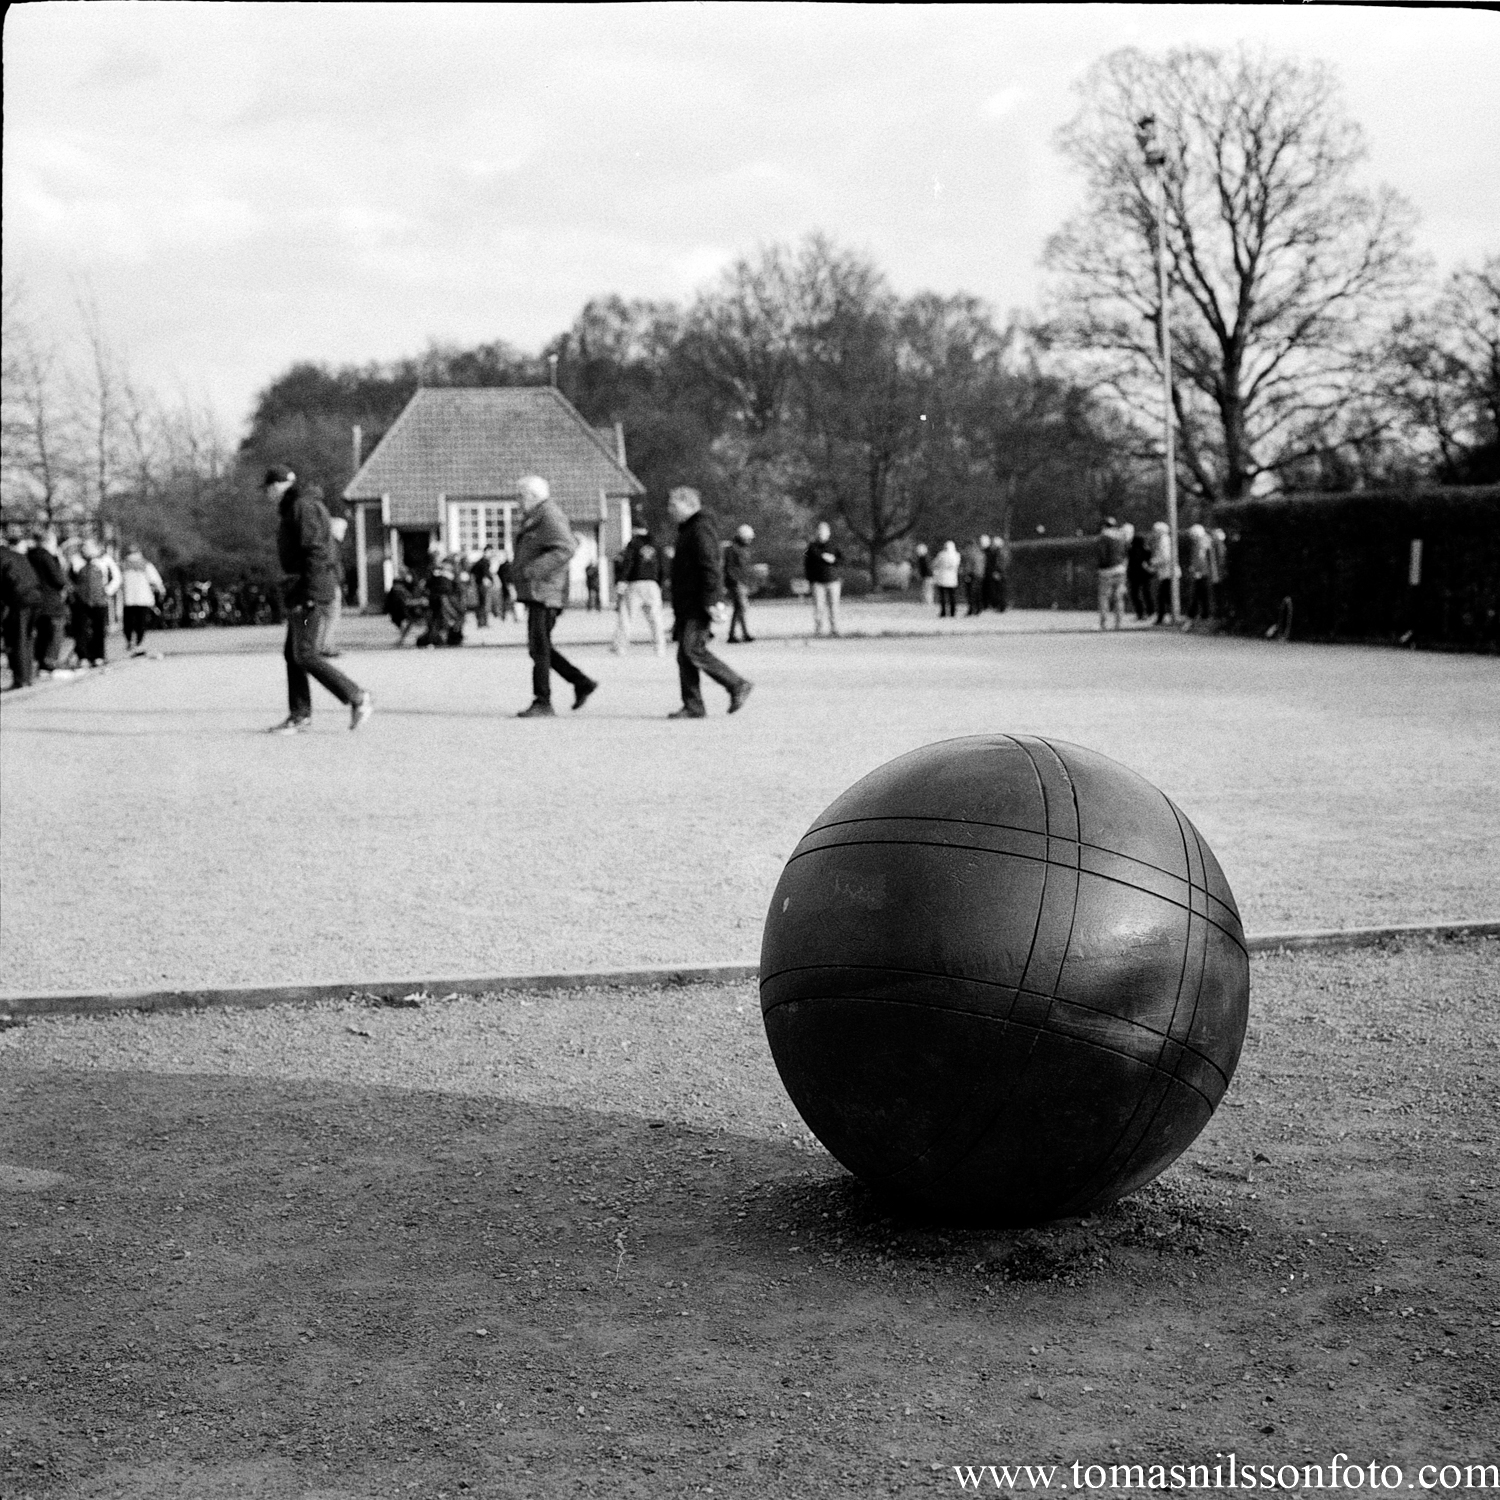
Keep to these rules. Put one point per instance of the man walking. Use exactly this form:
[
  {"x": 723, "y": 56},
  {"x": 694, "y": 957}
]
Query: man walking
[
  {"x": 544, "y": 549},
  {"x": 976, "y": 555},
  {"x": 821, "y": 564},
  {"x": 310, "y": 565},
  {"x": 738, "y": 574},
  {"x": 697, "y": 599},
  {"x": 638, "y": 581}
]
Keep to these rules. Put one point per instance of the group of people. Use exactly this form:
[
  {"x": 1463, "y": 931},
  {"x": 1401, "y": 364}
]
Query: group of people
[
  {"x": 536, "y": 576},
  {"x": 979, "y": 572},
  {"x": 442, "y": 598},
  {"x": 57, "y": 599},
  {"x": 1138, "y": 571}
]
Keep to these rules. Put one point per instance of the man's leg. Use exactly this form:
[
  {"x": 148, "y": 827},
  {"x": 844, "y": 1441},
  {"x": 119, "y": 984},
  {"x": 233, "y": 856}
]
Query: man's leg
[
  {"x": 298, "y": 692},
  {"x": 651, "y": 603},
  {"x": 835, "y": 589},
  {"x": 695, "y": 648},
  {"x": 307, "y": 644},
  {"x": 624, "y": 611},
  {"x": 539, "y": 645},
  {"x": 687, "y": 677},
  {"x": 820, "y": 605}
]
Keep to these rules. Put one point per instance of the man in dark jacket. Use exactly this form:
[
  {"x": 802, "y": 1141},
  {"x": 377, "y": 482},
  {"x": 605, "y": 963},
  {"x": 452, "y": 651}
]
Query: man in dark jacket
[
  {"x": 697, "y": 599},
  {"x": 738, "y": 578},
  {"x": 821, "y": 564},
  {"x": 544, "y": 550},
  {"x": 20, "y": 599},
  {"x": 310, "y": 565},
  {"x": 52, "y": 618},
  {"x": 638, "y": 582}
]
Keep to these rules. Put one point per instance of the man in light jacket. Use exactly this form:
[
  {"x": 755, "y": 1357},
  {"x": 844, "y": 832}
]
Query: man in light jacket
[{"x": 544, "y": 548}]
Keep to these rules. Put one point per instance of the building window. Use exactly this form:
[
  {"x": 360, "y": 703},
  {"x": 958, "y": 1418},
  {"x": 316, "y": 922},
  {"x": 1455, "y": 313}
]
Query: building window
[{"x": 478, "y": 524}]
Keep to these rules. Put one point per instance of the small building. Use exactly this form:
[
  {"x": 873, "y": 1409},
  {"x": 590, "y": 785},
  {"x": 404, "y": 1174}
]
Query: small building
[{"x": 446, "y": 473}]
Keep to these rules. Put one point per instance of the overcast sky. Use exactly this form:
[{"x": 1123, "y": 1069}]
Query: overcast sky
[{"x": 244, "y": 185}]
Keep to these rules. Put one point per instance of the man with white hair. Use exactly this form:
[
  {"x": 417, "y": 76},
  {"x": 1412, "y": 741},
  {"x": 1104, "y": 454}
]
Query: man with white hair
[
  {"x": 544, "y": 548},
  {"x": 697, "y": 601}
]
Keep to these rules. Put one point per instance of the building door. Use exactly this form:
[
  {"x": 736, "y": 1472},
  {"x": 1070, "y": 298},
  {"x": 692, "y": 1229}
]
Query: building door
[{"x": 414, "y": 545}]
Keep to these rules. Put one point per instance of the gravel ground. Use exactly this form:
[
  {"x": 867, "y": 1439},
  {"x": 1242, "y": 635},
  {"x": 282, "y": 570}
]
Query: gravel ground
[
  {"x": 538, "y": 1244},
  {"x": 153, "y": 837}
]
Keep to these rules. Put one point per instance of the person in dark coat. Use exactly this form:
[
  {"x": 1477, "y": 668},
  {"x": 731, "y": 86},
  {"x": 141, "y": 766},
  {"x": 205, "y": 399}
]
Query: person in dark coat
[
  {"x": 483, "y": 574},
  {"x": 996, "y": 576},
  {"x": 738, "y": 578},
  {"x": 544, "y": 550},
  {"x": 697, "y": 600},
  {"x": 52, "y": 616},
  {"x": 310, "y": 565},
  {"x": 20, "y": 599},
  {"x": 1138, "y": 583}
]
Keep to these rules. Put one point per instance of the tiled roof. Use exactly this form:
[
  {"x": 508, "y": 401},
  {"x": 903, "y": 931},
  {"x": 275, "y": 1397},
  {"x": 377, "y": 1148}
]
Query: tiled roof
[{"x": 478, "y": 443}]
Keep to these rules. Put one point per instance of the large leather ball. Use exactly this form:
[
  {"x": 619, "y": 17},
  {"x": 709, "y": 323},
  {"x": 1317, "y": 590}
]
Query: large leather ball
[{"x": 1004, "y": 980}]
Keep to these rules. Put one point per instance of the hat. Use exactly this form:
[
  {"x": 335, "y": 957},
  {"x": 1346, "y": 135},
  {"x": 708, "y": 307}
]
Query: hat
[
  {"x": 745, "y": 534},
  {"x": 278, "y": 474}
]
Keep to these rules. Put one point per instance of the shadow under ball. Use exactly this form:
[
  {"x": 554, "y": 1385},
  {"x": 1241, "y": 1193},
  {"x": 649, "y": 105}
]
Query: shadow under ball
[{"x": 1004, "y": 980}]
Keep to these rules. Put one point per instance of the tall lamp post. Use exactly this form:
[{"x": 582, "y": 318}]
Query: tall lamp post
[{"x": 1156, "y": 164}]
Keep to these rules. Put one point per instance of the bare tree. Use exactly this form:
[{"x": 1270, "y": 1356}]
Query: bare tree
[
  {"x": 40, "y": 453},
  {"x": 1283, "y": 273},
  {"x": 1449, "y": 362},
  {"x": 99, "y": 399}
]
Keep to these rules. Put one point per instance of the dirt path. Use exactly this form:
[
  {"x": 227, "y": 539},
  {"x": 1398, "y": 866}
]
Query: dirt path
[{"x": 540, "y": 1245}]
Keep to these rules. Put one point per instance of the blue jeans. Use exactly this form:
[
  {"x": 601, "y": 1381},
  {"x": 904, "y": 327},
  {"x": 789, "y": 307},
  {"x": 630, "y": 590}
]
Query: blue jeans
[{"x": 307, "y": 628}]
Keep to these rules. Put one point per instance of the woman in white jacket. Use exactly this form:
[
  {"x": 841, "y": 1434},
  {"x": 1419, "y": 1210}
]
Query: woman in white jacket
[
  {"x": 140, "y": 589},
  {"x": 945, "y": 570}
]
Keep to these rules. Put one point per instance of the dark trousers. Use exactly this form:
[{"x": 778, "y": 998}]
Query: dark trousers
[
  {"x": 694, "y": 657},
  {"x": 51, "y": 632},
  {"x": 1200, "y": 605},
  {"x": 545, "y": 660},
  {"x": 137, "y": 620},
  {"x": 974, "y": 589},
  {"x": 306, "y": 634},
  {"x": 947, "y": 602},
  {"x": 1163, "y": 600},
  {"x": 95, "y": 622},
  {"x": 1139, "y": 585},
  {"x": 739, "y": 594},
  {"x": 18, "y": 628}
]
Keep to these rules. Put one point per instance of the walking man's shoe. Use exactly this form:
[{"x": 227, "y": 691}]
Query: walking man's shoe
[
  {"x": 361, "y": 709},
  {"x": 538, "y": 710},
  {"x": 738, "y": 695},
  {"x": 688, "y": 713},
  {"x": 291, "y": 726},
  {"x": 582, "y": 693}
]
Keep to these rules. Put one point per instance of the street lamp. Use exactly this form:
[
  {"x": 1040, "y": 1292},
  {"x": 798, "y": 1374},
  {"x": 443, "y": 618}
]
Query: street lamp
[{"x": 1156, "y": 164}]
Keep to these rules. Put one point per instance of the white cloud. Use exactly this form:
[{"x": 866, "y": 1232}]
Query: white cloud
[{"x": 1006, "y": 102}]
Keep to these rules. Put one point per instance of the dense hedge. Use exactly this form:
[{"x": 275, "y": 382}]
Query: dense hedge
[
  {"x": 1054, "y": 572},
  {"x": 1344, "y": 563}
]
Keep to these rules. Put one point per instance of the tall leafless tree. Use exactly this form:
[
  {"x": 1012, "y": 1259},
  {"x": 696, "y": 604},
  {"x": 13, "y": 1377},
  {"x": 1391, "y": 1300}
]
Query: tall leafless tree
[{"x": 1284, "y": 273}]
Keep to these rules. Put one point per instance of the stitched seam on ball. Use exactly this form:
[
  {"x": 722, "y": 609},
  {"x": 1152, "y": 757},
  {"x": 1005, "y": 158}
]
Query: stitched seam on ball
[
  {"x": 1043, "y": 1031},
  {"x": 1008, "y": 827},
  {"x": 966, "y": 1010}
]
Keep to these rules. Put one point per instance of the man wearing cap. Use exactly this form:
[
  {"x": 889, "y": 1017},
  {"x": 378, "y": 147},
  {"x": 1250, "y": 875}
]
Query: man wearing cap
[
  {"x": 697, "y": 600},
  {"x": 638, "y": 581},
  {"x": 309, "y": 561},
  {"x": 738, "y": 575},
  {"x": 544, "y": 550}
]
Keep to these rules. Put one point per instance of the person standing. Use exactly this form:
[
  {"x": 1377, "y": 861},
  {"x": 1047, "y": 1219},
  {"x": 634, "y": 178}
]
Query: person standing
[
  {"x": 946, "y": 567},
  {"x": 310, "y": 565},
  {"x": 996, "y": 576},
  {"x": 1138, "y": 574},
  {"x": 821, "y": 564},
  {"x": 976, "y": 556},
  {"x": 1203, "y": 574},
  {"x": 697, "y": 600},
  {"x": 95, "y": 584},
  {"x": 1112, "y": 556},
  {"x": 739, "y": 574},
  {"x": 52, "y": 618},
  {"x": 1162, "y": 569},
  {"x": 483, "y": 573},
  {"x": 140, "y": 589},
  {"x": 544, "y": 551},
  {"x": 924, "y": 571},
  {"x": 20, "y": 599},
  {"x": 638, "y": 582}
]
